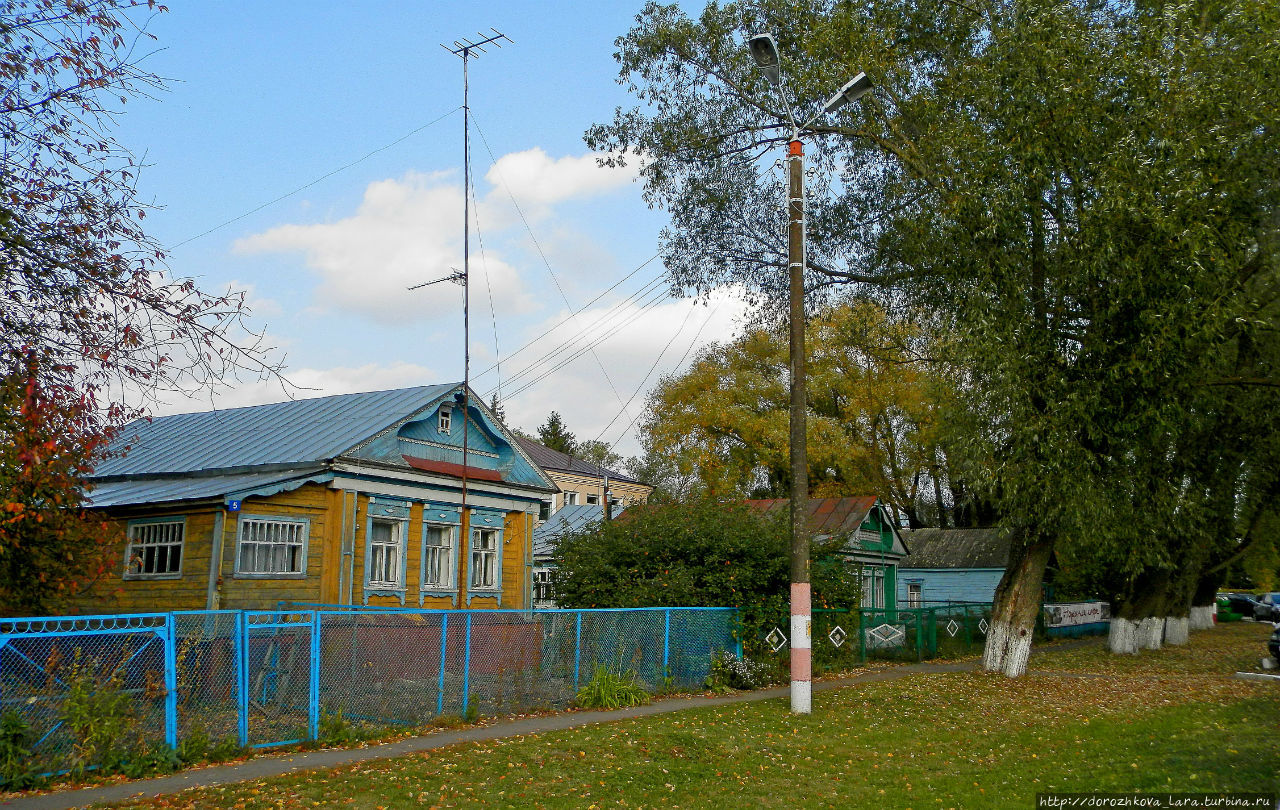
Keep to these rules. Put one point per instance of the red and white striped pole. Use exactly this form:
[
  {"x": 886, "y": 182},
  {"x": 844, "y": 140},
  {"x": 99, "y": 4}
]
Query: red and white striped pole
[{"x": 801, "y": 597}]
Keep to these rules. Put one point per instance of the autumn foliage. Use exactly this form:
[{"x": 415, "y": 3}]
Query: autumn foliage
[{"x": 50, "y": 546}]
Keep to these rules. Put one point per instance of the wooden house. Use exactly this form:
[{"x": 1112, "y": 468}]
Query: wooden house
[
  {"x": 952, "y": 565},
  {"x": 583, "y": 483},
  {"x": 872, "y": 547},
  {"x": 340, "y": 500}
]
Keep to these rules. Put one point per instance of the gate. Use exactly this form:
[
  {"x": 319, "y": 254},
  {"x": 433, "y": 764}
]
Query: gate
[{"x": 278, "y": 665}]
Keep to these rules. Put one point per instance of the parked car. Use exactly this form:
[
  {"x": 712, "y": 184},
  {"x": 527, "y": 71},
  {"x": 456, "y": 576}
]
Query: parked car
[
  {"x": 1267, "y": 608},
  {"x": 1241, "y": 603}
]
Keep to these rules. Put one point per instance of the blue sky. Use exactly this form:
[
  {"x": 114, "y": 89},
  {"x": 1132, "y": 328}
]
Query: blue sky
[{"x": 267, "y": 98}]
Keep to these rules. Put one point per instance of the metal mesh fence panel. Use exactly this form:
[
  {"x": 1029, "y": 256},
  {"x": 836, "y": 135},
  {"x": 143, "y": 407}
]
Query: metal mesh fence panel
[
  {"x": 277, "y": 676},
  {"x": 206, "y": 677},
  {"x": 506, "y": 664},
  {"x": 381, "y": 668},
  {"x": 624, "y": 641},
  {"x": 86, "y": 690},
  {"x": 693, "y": 637}
]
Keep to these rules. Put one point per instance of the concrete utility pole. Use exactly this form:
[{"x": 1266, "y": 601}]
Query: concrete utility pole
[
  {"x": 801, "y": 593},
  {"x": 764, "y": 50}
]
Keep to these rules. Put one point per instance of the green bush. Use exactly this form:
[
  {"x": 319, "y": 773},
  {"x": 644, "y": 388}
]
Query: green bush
[
  {"x": 99, "y": 716},
  {"x": 611, "y": 690},
  {"x": 16, "y": 771}
]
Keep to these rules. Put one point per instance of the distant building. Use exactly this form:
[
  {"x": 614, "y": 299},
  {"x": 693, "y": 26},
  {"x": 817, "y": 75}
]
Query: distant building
[
  {"x": 952, "y": 565},
  {"x": 581, "y": 482},
  {"x": 874, "y": 545},
  {"x": 564, "y": 521}
]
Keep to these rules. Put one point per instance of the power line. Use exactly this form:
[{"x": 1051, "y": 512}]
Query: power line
[
  {"x": 604, "y": 372},
  {"x": 319, "y": 179}
]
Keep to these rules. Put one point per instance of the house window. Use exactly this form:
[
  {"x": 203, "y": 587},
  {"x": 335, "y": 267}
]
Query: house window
[
  {"x": 593, "y": 500},
  {"x": 446, "y": 418},
  {"x": 272, "y": 546},
  {"x": 914, "y": 599},
  {"x": 155, "y": 549},
  {"x": 438, "y": 565},
  {"x": 571, "y": 499},
  {"x": 872, "y": 587},
  {"x": 544, "y": 510},
  {"x": 484, "y": 559},
  {"x": 543, "y": 592},
  {"x": 385, "y": 553}
]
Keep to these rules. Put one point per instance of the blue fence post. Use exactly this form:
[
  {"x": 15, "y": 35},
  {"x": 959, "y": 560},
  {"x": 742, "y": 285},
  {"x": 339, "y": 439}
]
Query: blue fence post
[
  {"x": 666, "y": 643},
  {"x": 170, "y": 683},
  {"x": 577, "y": 651},
  {"x": 313, "y": 708},
  {"x": 241, "y": 643},
  {"x": 735, "y": 618},
  {"x": 444, "y": 634},
  {"x": 466, "y": 668}
]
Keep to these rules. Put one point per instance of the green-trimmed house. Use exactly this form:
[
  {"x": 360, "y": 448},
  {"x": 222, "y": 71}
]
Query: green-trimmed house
[
  {"x": 874, "y": 544},
  {"x": 349, "y": 499}
]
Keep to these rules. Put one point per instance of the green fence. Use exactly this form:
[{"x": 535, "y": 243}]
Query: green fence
[{"x": 844, "y": 639}]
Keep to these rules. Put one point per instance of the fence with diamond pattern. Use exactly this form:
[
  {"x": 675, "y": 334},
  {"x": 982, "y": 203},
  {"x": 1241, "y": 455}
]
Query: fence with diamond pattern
[
  {"x": 848, "y": 638},
  {"x": 78, "y": 692}
]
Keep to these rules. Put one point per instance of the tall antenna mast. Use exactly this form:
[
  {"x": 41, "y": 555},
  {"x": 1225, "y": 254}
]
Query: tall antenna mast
[{"x": 466, "y": 49}]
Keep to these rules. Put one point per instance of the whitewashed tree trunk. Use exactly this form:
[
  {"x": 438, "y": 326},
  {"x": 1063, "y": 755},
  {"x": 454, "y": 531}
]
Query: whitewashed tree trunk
[
  {"x": 1202, "y": 617},
  {"x": 1123, "y": 639},
  {"x": 1177, "y": 630},
  {"x": 1013, "y": 616},
  {"x": 1151, "y": 633}
]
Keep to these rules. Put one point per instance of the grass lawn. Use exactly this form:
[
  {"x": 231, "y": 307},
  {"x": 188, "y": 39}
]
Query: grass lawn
[{"x": 1083, "y": 720}]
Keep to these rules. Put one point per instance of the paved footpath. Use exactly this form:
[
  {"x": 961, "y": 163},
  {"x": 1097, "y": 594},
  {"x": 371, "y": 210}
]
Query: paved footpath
[{"x": 264, "y": 767}]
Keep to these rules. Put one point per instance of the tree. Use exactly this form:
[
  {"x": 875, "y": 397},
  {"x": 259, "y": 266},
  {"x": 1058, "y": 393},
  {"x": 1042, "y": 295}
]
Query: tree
[
  {"x": 50, "y": 547},
  {"x": 1080, "y": 195},
  {"x": 599, "y": 453},
  {"x": 873, "y": 413},
  {"x": 91, "y": 321},
  {"x": 554, "y": 434},
  {"x": 701, "y": 552}
]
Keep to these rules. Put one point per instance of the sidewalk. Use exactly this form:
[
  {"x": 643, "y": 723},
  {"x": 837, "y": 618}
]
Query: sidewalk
[{"x": 264, "y": 767}]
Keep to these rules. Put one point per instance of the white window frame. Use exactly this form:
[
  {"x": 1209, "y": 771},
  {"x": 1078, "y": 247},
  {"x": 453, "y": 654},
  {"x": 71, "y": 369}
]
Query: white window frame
[
  {"x": 593, "y": 500},
  {"x": 479, "y": 554},
  {"x": 445, "y": 423},
  {"x": 397, "y": 533},
  {"x": 300, "y": 526},
  {"x": 915, "y": 595},
  {"x": 451, "y": 553},
  {"x": 543, "y": 587},
  {"x": 155, "y": 524},
  {"x": 570, "y": 499},
  {"x": 873, "y": 577}
]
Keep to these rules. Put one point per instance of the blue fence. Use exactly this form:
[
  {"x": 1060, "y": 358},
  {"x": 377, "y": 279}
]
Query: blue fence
[{"x": 79, "y": 691}]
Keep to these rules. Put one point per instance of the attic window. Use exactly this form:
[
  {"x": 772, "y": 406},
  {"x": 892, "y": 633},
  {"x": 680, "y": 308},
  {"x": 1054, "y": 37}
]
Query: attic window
[{"x": 446, "y": 418}]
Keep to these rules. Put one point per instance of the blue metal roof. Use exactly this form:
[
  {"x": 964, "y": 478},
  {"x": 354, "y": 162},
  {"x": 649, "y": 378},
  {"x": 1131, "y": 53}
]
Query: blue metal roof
[
  {"x": 569, "y": 519},
  {"x": 188, "y": 488},
  {"x": 299, "y": 431}
]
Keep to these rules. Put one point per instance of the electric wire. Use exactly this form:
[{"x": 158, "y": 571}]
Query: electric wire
[
  {"x": 493, "y": 314},
  {"x": 654, "y": 301},
  {"x": 571, "y": 315},
  {"x": 603, "y": 371},
  {"x": 648, "y": 373},
  {"x": 585, "y": 332},
  {"x": 319, "y": 179}
]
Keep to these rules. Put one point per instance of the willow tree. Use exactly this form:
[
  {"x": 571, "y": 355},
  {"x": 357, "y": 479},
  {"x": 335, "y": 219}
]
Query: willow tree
[{"x": 1077, "y": 192}]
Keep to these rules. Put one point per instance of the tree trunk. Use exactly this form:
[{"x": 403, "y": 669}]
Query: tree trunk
[
  {"x": 1202, "y": 600},
  {"x": 1018, "y": 599},
  {"x": 1139, "y": 622}
]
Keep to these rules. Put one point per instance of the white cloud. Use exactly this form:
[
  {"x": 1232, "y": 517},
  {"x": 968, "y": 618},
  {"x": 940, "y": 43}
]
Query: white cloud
[
  {"x": 305, "y": 383},
  {"x": 579, "y": 390},
  {"x": 404, "y": 232},
  {"x": 537, "y": 182}
]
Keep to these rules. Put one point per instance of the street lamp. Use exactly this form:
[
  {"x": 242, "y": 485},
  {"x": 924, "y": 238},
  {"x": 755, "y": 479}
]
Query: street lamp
[{"x": 764, "y": 50}]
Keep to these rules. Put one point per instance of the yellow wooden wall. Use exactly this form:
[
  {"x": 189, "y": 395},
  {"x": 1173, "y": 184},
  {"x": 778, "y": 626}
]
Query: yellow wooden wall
[{"x": 324, "y": 508}]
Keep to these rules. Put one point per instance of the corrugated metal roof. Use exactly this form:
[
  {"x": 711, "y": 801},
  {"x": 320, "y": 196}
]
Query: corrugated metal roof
[
  {"x": 294, "y": 432},
  {"x": 568, "y": 519},
  {"x": 550, "y": 459},
  {"x": 827, "y": 516},
  {"x": 188, "y": 488},
  {"x": 957, "y": 548}
]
